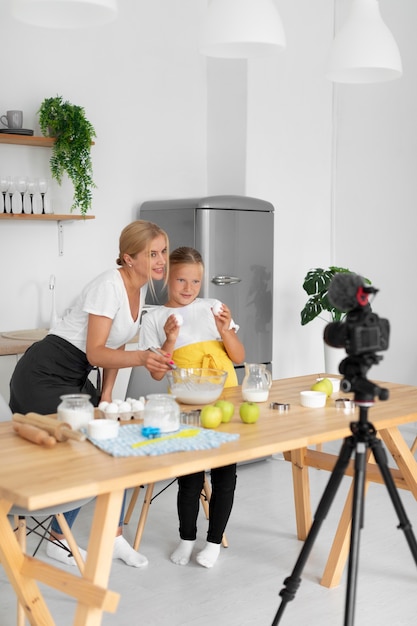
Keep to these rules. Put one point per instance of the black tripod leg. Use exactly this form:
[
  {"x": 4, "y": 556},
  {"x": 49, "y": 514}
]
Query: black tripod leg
[
  {"x": 293, "y": 581},
  {"x": 357, "y": 524},
  {"x": 405, "y": 525}
]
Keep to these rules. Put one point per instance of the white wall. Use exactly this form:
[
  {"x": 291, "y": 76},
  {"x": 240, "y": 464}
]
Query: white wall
[{"x": 172, "y": 124}]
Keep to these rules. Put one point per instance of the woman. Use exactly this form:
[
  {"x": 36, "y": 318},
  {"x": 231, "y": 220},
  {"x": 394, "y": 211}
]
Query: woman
[
  {"x": 204, "y": 337},
  {"x": 104, "y": 318}
]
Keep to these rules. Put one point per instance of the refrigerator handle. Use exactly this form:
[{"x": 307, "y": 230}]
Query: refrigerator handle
[{"x": 225, "y": 280}]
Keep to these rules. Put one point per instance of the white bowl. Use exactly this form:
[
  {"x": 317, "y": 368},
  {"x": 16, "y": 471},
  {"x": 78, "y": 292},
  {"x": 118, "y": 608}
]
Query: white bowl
[
  {"x": 103, "y": 429},
  {"x": 336, "y": 384},
  {"x": 313, "y": 399}
]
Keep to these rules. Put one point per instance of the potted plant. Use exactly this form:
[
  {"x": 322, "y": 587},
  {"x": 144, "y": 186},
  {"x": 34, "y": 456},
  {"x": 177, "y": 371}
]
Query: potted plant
[
  {"x": 71, "y": 150},
  {"x": 316, "y": 285}
]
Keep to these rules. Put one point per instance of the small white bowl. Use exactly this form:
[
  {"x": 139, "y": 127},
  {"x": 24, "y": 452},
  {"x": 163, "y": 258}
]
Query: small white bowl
[
  {"x": 313, "y": 399},
  {"x": 103, "y": 429},
  {"x": 336, "y": 384}
]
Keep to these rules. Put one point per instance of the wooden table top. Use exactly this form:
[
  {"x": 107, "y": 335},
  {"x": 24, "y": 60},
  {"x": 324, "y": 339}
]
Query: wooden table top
[
  {"x": 18, "y": 341},
  {"x": 28, "y": 472}
]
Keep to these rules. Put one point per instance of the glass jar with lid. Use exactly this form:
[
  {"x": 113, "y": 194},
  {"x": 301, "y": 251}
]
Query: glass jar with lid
[
  {"x": 162, "y": 411},
  {"x": 76, "y": 410}
]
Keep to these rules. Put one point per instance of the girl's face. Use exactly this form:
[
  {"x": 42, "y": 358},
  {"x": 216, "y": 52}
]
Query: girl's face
[
  {"x": 184, "y": 283},
  {"x": 151, "y": 263}
]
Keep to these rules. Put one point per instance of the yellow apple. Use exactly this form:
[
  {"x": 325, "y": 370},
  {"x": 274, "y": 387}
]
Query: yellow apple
[
  {"x": 249, "y": 412},
  {"x": 211, "y": 416},
  {"x": 325, "y": 385}
]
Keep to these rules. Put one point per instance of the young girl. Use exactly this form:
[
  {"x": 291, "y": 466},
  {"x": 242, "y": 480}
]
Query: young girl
[{"x": 196, "y": 336}]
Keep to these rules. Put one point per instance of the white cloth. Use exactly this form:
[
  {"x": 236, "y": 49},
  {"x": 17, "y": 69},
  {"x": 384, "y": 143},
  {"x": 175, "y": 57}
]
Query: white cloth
[
  {"x": 105, "y": 295},
  {"x": 198, "y": 325}
]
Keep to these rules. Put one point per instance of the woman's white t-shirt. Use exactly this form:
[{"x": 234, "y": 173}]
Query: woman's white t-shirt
[
  {"x": 105, "y": 295},
  {"x": 198, "y": 324}
]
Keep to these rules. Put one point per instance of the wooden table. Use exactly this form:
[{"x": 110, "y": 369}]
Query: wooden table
[{"x": 27, "y": 478}]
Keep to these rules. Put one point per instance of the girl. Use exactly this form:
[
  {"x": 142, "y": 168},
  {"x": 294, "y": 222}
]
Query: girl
[{"x": 187, "y": 328}]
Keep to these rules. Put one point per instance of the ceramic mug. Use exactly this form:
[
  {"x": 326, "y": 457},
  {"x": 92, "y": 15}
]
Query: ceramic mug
[{"x": 12, "y": 119}]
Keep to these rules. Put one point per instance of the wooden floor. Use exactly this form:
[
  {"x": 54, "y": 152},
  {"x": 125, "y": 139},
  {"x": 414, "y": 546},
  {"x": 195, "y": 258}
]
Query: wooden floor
[{"x": 242, "y": 589}]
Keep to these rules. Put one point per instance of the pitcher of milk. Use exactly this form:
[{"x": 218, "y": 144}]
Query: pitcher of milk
[{"x": 256, "y": 383}]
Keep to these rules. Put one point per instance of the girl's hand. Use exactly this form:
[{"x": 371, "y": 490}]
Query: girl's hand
[
  {"x": 223, "y": 319},
  {"x": 172, "y": 328}
]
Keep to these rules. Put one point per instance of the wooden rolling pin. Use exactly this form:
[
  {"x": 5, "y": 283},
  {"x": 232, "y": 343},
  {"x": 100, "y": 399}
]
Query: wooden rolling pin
[
  {"x": 60, "y": 430},
  {"x": 35, "y": 434}
]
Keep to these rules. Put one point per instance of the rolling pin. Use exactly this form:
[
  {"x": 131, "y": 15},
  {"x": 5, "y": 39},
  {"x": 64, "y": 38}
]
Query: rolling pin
[
  {"x": 60, "y": 430},
  {"x": 35, "y": 434}
]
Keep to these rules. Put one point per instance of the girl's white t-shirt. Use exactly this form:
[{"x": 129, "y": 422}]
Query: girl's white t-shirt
[
  {"x": 105, "y": 295},
  {"x": 198, "y": 324}
]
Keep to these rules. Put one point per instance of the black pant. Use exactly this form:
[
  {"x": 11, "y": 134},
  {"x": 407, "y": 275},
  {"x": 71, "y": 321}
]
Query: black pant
[{"x": 223, "y": 481}]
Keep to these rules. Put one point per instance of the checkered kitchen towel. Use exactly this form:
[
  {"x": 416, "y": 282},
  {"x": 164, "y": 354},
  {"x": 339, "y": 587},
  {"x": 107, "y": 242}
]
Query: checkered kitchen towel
[{"x": 130, "y": 441}]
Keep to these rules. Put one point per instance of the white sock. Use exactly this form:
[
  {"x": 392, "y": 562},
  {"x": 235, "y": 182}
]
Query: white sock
[
  {"x": 208, "y": 556},
  {"x": 182, "y": 553},
  {"x": 122, "y": 550},
  {"x": 55, "y": 551}
]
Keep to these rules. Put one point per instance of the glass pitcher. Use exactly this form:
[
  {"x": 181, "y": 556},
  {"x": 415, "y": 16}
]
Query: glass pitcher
[{"x": 256, "y": 383}]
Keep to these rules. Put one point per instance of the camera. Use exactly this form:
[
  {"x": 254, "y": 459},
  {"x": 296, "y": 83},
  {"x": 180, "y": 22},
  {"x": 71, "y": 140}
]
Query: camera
[{"x": 361, "y": 332}]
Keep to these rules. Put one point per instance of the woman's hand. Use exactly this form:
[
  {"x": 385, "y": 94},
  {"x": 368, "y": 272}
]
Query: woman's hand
[{"x": 157, "y": 363}]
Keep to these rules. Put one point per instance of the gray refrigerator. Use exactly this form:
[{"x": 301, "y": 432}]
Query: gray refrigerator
[{"x": 235, "y": 236}]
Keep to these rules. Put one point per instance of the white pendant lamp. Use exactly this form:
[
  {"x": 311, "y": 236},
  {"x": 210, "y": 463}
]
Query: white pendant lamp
[
  {"x": 64, "y": 13},
  {"x": 364, "y": 50},
  {"x": 242, "y": 29}
]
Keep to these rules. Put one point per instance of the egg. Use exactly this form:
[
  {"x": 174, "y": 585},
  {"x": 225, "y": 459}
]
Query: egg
[
  {"x": 217, "y": 307},
  {"x": 112, "y": 408},
  {"x": 179, "y": 318},
  {"x": 103, "y": 405},
  {"x": 137, "y": 405},
  {"x": 125, "y": 407}
]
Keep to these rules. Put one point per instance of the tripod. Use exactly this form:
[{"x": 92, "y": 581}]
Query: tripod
[{"x": 362, "y": 438}]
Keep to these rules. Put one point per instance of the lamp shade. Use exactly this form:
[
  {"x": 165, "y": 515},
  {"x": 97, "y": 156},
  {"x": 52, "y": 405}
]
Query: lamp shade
[
  {"x": 364, "y": 50},
  {"x": 64, "y": 13},
  {"x": 239, "y": 29}
]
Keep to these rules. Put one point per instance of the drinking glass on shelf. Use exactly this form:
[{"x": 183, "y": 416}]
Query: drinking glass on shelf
[
  {"x": 11, "y": 190},
  {"x": 22, "y": 185},
  {"x": 31, "y": 192},
  {"x": 4, "y": 186},
  {"x": 43, "y": 188}
]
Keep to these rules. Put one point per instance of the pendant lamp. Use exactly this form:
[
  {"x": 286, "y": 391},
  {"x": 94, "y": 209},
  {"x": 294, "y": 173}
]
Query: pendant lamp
[
  {"x": 364, "y": 50},
  {"x": 242, "y": 29},
  {"x": 64, "y": 13}
]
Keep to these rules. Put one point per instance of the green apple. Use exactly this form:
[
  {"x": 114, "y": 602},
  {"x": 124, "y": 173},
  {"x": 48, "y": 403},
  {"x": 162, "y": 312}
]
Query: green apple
[
  {"x": 211, "y": 416},
  {"x": 325, "y": 385},
  {"x": 249, "y": 412},
  {"x": 227, "y": 409}
]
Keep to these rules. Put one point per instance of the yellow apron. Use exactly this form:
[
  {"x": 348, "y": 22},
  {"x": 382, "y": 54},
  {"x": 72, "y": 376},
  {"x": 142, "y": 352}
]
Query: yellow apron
[{"x": 206, "y": 354}]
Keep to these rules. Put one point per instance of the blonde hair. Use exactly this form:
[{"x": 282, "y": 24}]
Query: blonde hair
[
  {"x": 185, "y": 254},
  {"x": 137, "y": 237}
]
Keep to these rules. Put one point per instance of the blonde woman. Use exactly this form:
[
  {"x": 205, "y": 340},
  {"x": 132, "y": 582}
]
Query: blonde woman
[{"x": 94, "y": 332}]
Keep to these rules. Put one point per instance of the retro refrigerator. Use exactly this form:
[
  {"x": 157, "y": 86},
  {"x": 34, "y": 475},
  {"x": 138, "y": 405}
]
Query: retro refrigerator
[{"x": 235, "y": 236}]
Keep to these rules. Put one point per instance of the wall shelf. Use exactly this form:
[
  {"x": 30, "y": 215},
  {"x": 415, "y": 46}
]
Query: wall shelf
[
  {"x": 28, "y": 140},
  {"x": 55, "y": 217}
]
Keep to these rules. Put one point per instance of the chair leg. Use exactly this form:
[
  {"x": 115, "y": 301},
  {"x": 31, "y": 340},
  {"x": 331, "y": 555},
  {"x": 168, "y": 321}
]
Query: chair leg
[
  {"x": 414, "y": 446},
  {"x": 21, "y": 537},
  {"x": 132, "y": 503},
  {"x": 205, "y": 499},
  {"x": 143, "y": 515},
  {"x": 66, "y": 531}
]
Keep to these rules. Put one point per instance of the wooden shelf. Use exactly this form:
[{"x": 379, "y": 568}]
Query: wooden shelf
[
  {"x": 55, "y": 217},
  {"x": 27, "y": 140}
]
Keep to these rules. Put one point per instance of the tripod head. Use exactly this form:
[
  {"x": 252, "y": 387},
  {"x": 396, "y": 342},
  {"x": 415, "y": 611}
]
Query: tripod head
[{"x": 354, "y": 369}]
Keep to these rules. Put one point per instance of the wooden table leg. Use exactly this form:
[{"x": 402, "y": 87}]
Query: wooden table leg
[
  {"x": 402, "y": 455},
  {"x": 301, "y": 485},
  {"x": 26, "y": 588},
  {"x": 99, "y": 554}
]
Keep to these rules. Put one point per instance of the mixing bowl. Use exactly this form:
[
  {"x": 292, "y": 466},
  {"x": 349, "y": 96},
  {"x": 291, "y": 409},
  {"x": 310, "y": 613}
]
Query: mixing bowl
[{"x": 196, "y": 385}]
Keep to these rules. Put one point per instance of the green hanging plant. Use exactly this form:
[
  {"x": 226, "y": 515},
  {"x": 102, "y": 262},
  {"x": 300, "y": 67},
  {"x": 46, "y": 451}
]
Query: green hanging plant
[{"x": 71, "y": 152}]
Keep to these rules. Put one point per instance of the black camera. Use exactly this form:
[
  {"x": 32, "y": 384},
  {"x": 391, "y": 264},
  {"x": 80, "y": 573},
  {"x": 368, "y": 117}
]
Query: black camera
[{"x": 361, "y": 332}]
